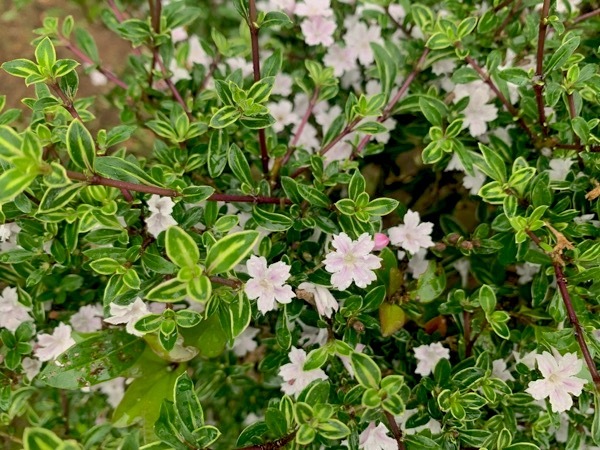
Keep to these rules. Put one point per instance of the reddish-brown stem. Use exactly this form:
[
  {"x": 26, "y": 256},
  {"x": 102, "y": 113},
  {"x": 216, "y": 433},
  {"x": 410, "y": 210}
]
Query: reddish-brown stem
[
  {"x": 586, "y": 16},
  {"x": 387, "y": 112},
  {"x": 400, "y": 25},
  {"x": 120, "y": 17},
  {"x": 578, "y": 147},
  {"x": 509, "y": 18},
  {"x": 395, "y": 430},
  {"x": 233, "y": 198},
  {"x": 467, "y": 333},
  {"x": 170, "y": 84},
  {"x": 236, "y": 284},
  {"x": 502, "y": 5},
  {"x": 509, "y": 107},
  {"x": 67, "y": 103},
  {"x": 303, "y": 122},
  {"x": 274, "y": 445},
  {"x": 262, "y": 140},
  {"x": 561, "y": 282},
  {"x": 538, "y": 82}
]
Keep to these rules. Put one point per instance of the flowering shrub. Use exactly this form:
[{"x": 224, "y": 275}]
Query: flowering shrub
[{"x": 358, "y": 224}]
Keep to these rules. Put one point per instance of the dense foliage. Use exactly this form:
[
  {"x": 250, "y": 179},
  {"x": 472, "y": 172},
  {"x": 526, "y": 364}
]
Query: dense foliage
[{"x": 318, "y": 224}]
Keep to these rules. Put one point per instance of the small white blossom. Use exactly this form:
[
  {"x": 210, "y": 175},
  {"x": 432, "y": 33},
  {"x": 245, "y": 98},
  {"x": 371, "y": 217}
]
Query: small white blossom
[
  {"x": 474, "y": 182},
  {"x": 412, "y": 235},
  {"x": 352, "y": 261},
  {"x": 50, "y": 346},
  {"x": 160, "y": 219},
  {"x": 318, "y": 31},
  {"x": 341, "y": 59},
  {"x": 463, "y": 267},
  {"x": 500, "y": 371},
  {"x": 114, "y": 389},
  {"x": 311, "y": 8},
  {"x": 528, "y": 359},
  {"x": 417, "y": 264},
  {"x": 31, "y": 367},
  {"x": 587, "y": 218},
  {"x": 88, "y": 319},
  {"x": 428, "y": 356},
  {"x": 312, "y": 335},
  {"x": 283, "y": 113},
  {"x": 268, "y": 283},
  {"x": 358, "y": 39},
  {"x": 526, "y": 271},
  {"x": 376, "y": 438},
  {"x": 325, "y": 302},
  {"x": 8, "y": 236},
  {"x": 559, "y": 169},
  {"x": 444, "y": 66},
  {"x": 12, "y": 313},
  {"x": 97, "y": 78},
  {"x": 283, "y": 85},
  {"x": 559, "y": 381},
  {"x": 128, "y": 314},
  {"x": 245, "y": 342},
  {"x": 295, "y": 377}
]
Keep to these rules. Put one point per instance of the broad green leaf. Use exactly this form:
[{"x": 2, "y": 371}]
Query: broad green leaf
[
  {"x": 187, "y": 405},
  {"x": 45, "y": 55},
  {"x": 270, "y": 220},
  {"x": 10, "y": 143},
  {"x": 199, "y": 289},
  {"x": 13, "y": 182},
  {"x": 227, "y": 252},
  {"x": 57, "y": 198},
  {"x": 487, "y": 299},
  {"x": 168, "y": 291},
  {"x": 431, "y": 284},
  {"x": 166, "y": 427},
  {"x": 100, "y": 358},
  {"x": 181, "y": 248},
  {"x": 197, "y": 194},
  {"x": 21, "y": 68},
  {"x": 261, "y": 90},
  {"x": 239, "y": 165},
  {"x": 386, "y": 68},
  {"x": 40, "y": 439},
  {"x": 381, "y": 206},
  {"x": 225, "y": 116},
  {"x": 562, "y": 53},
  {"x": 495, "y": 168},
  {"x": 123, "y": 170},
  {"x": 205, "y": 436},
  {"x": 217, "y": 152},
  {"x": 366, "y": 371}
]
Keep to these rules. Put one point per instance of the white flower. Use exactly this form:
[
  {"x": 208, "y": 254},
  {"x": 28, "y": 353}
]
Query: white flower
[
  {"x": 283, "y": 85},
  {"x": 325, "y": 302},
  {"x": 341, "y": 59},
  {"x": 352, "y": 261},
  {"x": 12, "y": 313},
  {"x": 526, "y": 271},
  {"x": 31, "y": 367},
  {"x": 376, "y": 438},
  {"x": 179, "y": 34},
  {"x": 268, "y": 283},
  {"x": 500, "y": 371},
  {"x": 412, "y": 235},
  {"x": 559, "y": 169},
  {"x": 358, "y": 39},
  {"x": 97, "y": 78},
  {"x": 474, "y": 182},
  {"x": 295, "y": 377},
  {"x": 312, "y": 335},
  {"x": 197, "y": 54},
  {"x": 318, "y": 30},
  {"x": 245, "y": 342},
  {"x": 428, "y": 356},
  {"x": 463, "y": 266},
  {"x": 160, "y": 219},
  {"x": 433, "y": 425},
  {"x": 346, "y": 359},
  {"x": 528, "y": 359},
  {"x": 8, "y": 236},
  {"x": 128, "y": 314},
  {"x": 88, "y": 319},
  {"x": 586, "y": 218},
  {"x": 114, "y": 389},
  {"x": 477, "y": 114},
  {"x": 283, "y": 113},
  {"x": 326, "y": 116},
  {"x": 50, "y": 346},
  {"x": 559, "y": 381},
  {"x": 310, "y": 8},
  {"x": 417, "y": 264},
  {"x": 443, "y": 66}
]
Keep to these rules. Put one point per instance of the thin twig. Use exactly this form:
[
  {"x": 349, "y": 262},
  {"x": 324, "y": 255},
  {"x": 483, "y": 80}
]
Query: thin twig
[
  {"x": 236, "y": 284},
  {"x": 262, "y": 140},
  {"x": 561, "y": 282},
  {"x": 395, "y": 430},
  {"x": 586, "y": 16},
  {"x": 538, "y": 82},
  {"x": 509, "y": 107},
  {"x": 274, "y": 445}
]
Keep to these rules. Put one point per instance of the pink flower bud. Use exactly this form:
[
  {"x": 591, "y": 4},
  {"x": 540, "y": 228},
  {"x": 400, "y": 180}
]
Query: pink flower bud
[{"x": 381, "y": 241}]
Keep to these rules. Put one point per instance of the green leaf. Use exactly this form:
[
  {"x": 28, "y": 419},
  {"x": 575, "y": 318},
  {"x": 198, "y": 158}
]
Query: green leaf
[
  {"x": 487, "y": 299},
  {"x": 13, "y": 182},
  {"x": 271, "y": 221},
  {"x": 217, "y": 152},
  {"x": 168, "y": 291},
  {"x": 466, "y": 26},
  {"x": 305, "y": 434},
  {"x": 40, "y": 439},
  {"x": 431, "y": 284},
  {"x": 166, "y": 428},
  {"x": 333, "y": 429},
  {"x": 257, "y": 122},
  {"x": 366, "y": 371},
  {"x": 197, "y": 194},
  {"x": 205, "y": 436},
  {"x": 63, "y": 67},
  {"x": 357, "y": 185},
  {"x": 10, "y": 143},
  {"x": 272, "y": 64},
  {"x": 562, "y": 53},
  {"x": 316, "y": 358},
  {"x": 94, "y": 360},
  {"x": 187, "y": 406},
  {"x": 381, "y": 206},
  {"x": 225, "y": 116},
  {"x": 438, "y": 41},
  {"x": 181, "y": 248},
  {"x": 123, "y": 170},
  {"x": 240, "y": 314},
  {"x": 199, "y": 289},
  {"x": 495, "y": 167},
  {"x": 239, "y": 165},
  {"x": 371, "y": 127},
  {"x": 105, "y": 266},
  {"x": 21, "y": 68},
  {"x": 261, "y": 90},
  {"x": 516, "y": 76},
  {"x": 313, "y": 196},
  {"x": 386, "y": 68},
  {"x": 45, "y": 55},
  {"x": 57, "y": 198},
  {"x": 227, "y": 252},
  {"x": 273, "y": 18}
]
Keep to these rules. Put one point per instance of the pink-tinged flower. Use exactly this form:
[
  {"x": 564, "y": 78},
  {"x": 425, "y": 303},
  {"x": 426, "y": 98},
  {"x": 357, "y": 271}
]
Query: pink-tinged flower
[
  {"x": 88, "y": 319},
  {"x": 31, "y": 367},
  {"x": 50, "y": 346},
  {"x": 311, "y": 8},
  {"x": 527, "y": 271},
  {"x": 418, "y": 264},
  {"x": 245, "y": 342},
  {"x": 318, "y": 30},
  {"x": 160, "y": 219},
  {"x": 381, "y": 241},
  {"x": 295, "y": 377},
  {"x": 376, "y": 438},
  {"x": 358, "y": 39},
  {"x": 559, "y": 381},
  {"x": 428, "y": 356},
  {"x": 268, "y": 283},
  {"x": 325, "y": 302},
  {"x": 500, "y": 370},
  {"x": 12, "y": 313},
  {"x": 352, "y": 261},
  {"x": 412, "y": 235},
  {"x": 128, "y": 314},
  {"x": 341, "y": 59}
]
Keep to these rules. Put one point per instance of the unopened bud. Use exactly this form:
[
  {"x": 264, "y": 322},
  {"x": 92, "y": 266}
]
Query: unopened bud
[
  {"x": 453, "y": 238},
  {"x": 381, "y": 241}
]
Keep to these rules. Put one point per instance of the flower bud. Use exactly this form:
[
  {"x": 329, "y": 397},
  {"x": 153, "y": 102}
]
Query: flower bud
[{"x": 381, "y": 241}]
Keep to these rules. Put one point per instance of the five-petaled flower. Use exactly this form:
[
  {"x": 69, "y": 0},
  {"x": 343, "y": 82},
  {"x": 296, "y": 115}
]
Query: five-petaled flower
[
  {"x": 50, "y": 346},
  {"x": 12, "y": 312},
  {"x": 428, "y": 356},
  {"x": 559, "y": 381},
  {"x": 376, "y": 438},
  {"x": 128, "y": 314},
  {"x": 295, "y": 377},
  {"x": 412, "y": 235},
  {"x": 324, "y": 301},
  {"x": 268, "y": 283},
  {"x": 160, "y": 219},
  {"x": 352, "y": 261}
]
